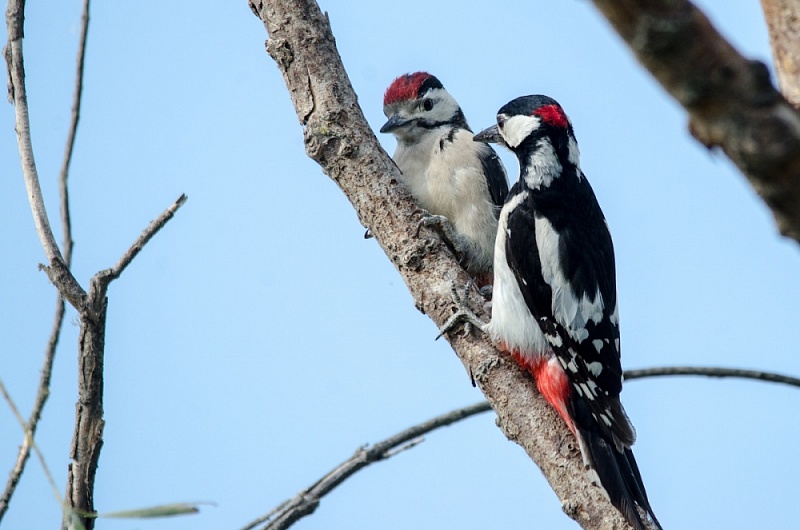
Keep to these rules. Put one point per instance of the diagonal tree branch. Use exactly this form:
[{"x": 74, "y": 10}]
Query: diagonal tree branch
[
  {"x": 306, "y": 502},
  {"x": 43, "y": 390},
  {"x": 731, "y": 101},
  {"x": 339, "y": 139}
]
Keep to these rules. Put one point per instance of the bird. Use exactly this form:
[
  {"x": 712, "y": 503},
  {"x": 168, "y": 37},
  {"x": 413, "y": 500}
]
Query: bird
[
  {"x": 554, "y": 304},
  {"x": 460, "y": 184}
]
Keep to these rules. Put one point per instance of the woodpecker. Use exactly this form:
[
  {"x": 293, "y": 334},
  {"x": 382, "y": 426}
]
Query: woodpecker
[
  {"x": 554, "y": 306},
  {"x": 460, "y": 183}
]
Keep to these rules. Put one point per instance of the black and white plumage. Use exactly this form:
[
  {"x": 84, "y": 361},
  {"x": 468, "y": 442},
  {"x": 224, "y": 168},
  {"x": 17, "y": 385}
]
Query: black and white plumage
[
  {"x": 554, "y": 302},
  {"x": 462, "y": 184}
]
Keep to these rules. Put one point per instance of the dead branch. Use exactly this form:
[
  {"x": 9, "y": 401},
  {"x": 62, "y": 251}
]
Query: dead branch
[
  {"x": 43, "y": 390},
  {"x": 307, "y": 501},
  {"x": 339, "y": 139}
]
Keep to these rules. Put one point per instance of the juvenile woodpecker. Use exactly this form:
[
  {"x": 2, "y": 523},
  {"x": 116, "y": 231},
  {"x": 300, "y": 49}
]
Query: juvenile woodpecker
[
  {"x": 554, "y": 307},
  {"x": 460, "y": 183}
]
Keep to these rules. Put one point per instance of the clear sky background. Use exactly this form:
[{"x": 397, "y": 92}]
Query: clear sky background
[{"x": 259, "y": 339}]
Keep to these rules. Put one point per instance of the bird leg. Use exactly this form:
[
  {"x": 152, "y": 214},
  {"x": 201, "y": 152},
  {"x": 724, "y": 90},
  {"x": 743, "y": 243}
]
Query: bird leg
[
  {"x": 464, "y": 315},
  {"x": 445, "y": 228}
]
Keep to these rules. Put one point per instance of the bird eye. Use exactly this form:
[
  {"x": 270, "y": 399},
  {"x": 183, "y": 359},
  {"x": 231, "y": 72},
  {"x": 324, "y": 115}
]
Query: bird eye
[{"x": 427, "y": 104}]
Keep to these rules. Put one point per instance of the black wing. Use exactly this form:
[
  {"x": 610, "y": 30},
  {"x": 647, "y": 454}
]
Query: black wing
[{"x": 586, "y": 346}]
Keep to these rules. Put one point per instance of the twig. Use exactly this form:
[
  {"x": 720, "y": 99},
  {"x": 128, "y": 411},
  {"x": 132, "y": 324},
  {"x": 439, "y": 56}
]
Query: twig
[
  {"x": 306, "y": 502},
  {"x": 66, "y": 222},
  {"x": 108, "y": 275},
  {"x": 712, "y": 372},
  {"x": 43, "y": 390},
  {"x": 42, "y": 394},
  {"x": 58, "y": 272},
  {"x": 29, "y": 440}
]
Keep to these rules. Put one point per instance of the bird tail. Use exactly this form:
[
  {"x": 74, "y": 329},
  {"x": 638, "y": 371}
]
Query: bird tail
[{"x": 617, "y": 473}]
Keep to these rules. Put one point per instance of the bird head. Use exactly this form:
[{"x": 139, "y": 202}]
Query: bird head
[
  {"x": 530, "y": 124},
  {"x": 416, "y": 103}
]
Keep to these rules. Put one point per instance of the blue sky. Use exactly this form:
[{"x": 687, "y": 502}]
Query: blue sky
[{"x": 259, "y": 339}]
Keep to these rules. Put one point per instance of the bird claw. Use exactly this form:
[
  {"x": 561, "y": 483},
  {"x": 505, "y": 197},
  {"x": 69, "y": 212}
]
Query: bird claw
[{"x": 463, "y": 315}]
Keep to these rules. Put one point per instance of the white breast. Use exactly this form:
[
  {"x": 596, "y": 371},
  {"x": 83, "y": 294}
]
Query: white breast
[{"x": 512, "y": 322}]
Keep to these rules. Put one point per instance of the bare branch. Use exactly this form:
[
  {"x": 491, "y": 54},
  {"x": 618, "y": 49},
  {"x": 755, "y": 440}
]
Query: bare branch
[
  {"x": 15, "y": 17},
  {"x": 783, "y": 22},
  {"x": 106, "y": 276},
  {"x": 306, "y": 502},
  {"x": 731, "y": 101},
  {"x": 66, "y": 222},
  {"x": 88, "y": 437},
  {"x": 712, "y": 371},
  {"x": 42, "y": 393},
  {"x": 43, "y": 390},
  {"x": 339, "y": 139},
  {"x": 58, "y": 272}
]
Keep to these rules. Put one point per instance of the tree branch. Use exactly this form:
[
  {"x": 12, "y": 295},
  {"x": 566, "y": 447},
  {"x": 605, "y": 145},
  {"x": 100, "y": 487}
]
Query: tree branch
[
  {"x": 58, "y": 272},
  {"x": 712, "y": 371},
  {"x": 731, "y": 102},
  {"x": 339, "y": 139},
  {"x": 88, "y": 437},
  {"x": 783, "y": 22},
  {"x": 307, "y": 501}
]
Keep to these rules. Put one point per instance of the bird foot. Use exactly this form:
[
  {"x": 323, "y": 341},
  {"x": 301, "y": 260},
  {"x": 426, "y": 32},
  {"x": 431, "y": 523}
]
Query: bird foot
[
  {"x": 444, "y": 227},
  {"x": 463, "y": 315}
]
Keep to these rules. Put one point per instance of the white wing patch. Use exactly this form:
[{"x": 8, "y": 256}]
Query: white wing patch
[{"x": 570, "y": 311}]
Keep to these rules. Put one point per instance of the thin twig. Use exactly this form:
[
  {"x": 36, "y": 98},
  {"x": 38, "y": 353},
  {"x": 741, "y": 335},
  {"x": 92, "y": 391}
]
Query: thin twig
[
  {"x": 15, "y": 17},
  {"x": 29, "y": 440},
  {"x": 57, "y": 271},
  {"x": 66, "y": 222},
  {"x": 42, "y": 394},
  {"x": 108, "y": 275},
  {"x": 306, "y": 502},
  {"x": 711, "y": 371}
]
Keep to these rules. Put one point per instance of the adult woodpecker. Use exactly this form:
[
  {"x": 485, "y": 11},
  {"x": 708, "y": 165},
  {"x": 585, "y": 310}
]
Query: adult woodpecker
[
  {"x": 554, "y": 306},
  {"x": 460, "y": 183}
]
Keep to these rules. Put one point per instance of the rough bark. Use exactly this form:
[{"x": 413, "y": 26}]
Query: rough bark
[
  {"x": 783, "y": 22},
  {"x": 339, "y": 139},
  {"x": 731, "y": 101}
]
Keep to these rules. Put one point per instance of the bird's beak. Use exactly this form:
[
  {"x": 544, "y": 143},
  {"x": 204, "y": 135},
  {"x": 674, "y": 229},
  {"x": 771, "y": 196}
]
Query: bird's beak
[
  {"x": 490, "y": 135},
  {"x": 394, "y": 123}
]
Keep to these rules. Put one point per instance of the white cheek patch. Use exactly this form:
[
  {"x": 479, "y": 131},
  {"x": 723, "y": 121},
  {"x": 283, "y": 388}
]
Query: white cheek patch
[{"x": 516, "y": 128}]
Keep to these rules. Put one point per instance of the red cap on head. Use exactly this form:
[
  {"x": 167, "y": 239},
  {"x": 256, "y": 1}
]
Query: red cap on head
[
  {"x": 552, "y": 114},
  {"x": 405, "y": 87}
]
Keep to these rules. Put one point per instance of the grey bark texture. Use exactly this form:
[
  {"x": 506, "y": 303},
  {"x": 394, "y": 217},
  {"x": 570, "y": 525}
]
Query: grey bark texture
[{"x": 783, "y": 22}]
